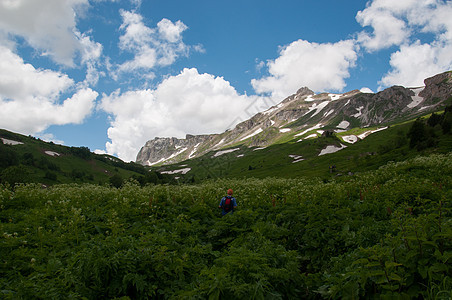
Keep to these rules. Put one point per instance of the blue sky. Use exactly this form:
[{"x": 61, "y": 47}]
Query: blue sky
[{"x": 111, "y": 75}]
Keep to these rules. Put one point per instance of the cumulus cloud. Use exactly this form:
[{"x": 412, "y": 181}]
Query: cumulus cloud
[
  {"x": 20, "y": 80},
  {"x": 386, "y": 19},
  {"x": 187, "y": 103},
  {"x": 413, "y": 63},
  {"x": 399, "y": 23},
  {"x": 151, "y": 47},
  {"x": 29, "y": 97},
  {"x": 172, "y": 32},
  {"x": 90, "y": 54},
  {"x": 318, "y": 66},
  {"x": 47, "y": 25}
]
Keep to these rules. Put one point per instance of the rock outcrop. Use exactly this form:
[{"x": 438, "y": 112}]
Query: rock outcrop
[{"x": 304, "y": 110}]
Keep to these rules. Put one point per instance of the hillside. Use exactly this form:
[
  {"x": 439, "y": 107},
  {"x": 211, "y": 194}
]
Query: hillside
[
  {"x": 322, "y": 135},
  {"x": 25, "y": 159},
  {"x": 306, "y": 115},
  {"x": 331, "y": 155}
]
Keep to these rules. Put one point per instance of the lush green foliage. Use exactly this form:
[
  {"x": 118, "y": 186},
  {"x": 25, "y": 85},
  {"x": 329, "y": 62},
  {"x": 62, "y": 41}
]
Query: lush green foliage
[{"x": 385, "y": 233}]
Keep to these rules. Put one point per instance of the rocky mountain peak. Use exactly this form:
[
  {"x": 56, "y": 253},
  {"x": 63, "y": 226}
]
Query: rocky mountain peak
[{"x": 304, "y": 91}]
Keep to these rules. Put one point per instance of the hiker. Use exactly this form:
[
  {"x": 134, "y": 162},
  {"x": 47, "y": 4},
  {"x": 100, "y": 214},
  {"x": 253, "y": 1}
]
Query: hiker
[{"x": 228, "y": 203}]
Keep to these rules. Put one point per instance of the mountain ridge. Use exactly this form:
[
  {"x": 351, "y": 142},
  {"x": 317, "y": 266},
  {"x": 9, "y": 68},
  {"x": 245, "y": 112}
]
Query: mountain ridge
[{"x": 304, "y": 112}]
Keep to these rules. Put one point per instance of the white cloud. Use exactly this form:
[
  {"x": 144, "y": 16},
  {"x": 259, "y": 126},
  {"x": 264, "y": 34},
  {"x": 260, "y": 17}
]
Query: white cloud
[
  {"x": 90, "y": 54},
  {"x": 413, "y": 63},
  {"x": 190, "y": 103},
  {"x": 172, "y": 32},
  {"x": 151, "y": 47},
  {"x": 366, "y": 90},
  {"x": 317, "y": 66},
  {"x": 29, "y": 97},
  {"x": 47, "y": 25},
  {"x": 20, "y": 80},
  {"x": 403, "y": 24},
  {"x": 385, "y": 18}
]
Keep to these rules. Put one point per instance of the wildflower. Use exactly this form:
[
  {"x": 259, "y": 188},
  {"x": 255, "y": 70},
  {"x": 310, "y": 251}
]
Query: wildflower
[{"x": 33, "y": 260}]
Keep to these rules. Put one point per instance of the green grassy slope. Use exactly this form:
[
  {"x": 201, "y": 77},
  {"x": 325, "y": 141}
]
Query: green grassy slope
[
  {"x": 37, "y": 161},
  {"x": 391, "y": 144}
]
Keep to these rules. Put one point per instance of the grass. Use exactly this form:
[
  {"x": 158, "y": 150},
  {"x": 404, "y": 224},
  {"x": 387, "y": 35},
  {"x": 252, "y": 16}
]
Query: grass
[
  {"x": 391, "y": 144},
  {"x": 374, "y": 151},
  {"x": 67, "y": 167}
]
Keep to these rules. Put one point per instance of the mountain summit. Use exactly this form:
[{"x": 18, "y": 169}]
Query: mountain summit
[{"x": 301, "y": 113}]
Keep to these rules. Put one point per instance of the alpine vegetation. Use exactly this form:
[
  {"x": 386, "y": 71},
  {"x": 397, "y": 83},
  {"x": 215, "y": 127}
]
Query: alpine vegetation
[{"x": 383, "y": 234}]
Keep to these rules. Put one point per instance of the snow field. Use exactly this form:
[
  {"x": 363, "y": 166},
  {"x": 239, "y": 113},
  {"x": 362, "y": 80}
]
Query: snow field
[
  {"x": 296, "y": 158},
  {"x": 225, "y": 151},
  {"x": 11, "y": 142},
  {"x": 353, "y": 138},
  {"x": 181, "y": 171},
  {"x": 259, "y": 130},
  {"x": 416, "y": 98},
  {"x": 52, "y": 153},
  {"x": 344, "y": 124},
  {"x": 309, "y": 129},
  {"x": 331, "y": 149}
]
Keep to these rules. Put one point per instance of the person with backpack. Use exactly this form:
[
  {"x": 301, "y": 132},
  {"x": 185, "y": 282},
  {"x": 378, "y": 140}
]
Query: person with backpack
[{"x": 228, "y": 203}]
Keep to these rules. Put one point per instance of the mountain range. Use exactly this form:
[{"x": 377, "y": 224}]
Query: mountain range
[{"x": 306, "y": 115}]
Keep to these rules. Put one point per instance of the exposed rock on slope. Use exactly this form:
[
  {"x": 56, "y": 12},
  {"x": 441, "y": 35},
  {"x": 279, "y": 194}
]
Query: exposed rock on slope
[{"x": 301, "y": 113}]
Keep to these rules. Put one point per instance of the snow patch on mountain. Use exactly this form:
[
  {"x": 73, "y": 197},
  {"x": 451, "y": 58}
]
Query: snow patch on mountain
[
  {"x": 311, "y": 136},
  {"x": 331, "y": 149},
  {"x": 225, "y": 151},
  {"x": 219, "y": 143},
  {"x": 11, "y": 142},
  {"x": 359, "y": 113},
  {"x": 344, "y": 124},
  {"x": 365, "y": 134},
  {"x": 195, "y": 148},
  {"x": 168, "y": 158},
  {"x": 259, "y": 130},
  {"x": 155, "y": 162},
  {"x": 52, "y": 153},
  {"x": 283, "y": 130},
  {"x": 309, "y": 98},
  {"x": 317, "y": 108},
  {"x": 334, "y": 97},
  {"x": 309, "y": 129},
  {"x": 328, "y": 113},
  {"x": 351, "y": 139},
  {"x": 296, "y": 158},
  {"x": 181, "y": 171},
  {"x": 416, "y": 98}
]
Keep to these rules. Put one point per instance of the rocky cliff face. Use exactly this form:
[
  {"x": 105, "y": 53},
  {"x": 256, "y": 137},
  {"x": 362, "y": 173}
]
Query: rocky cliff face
[{"x": 299, "y": 114}]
